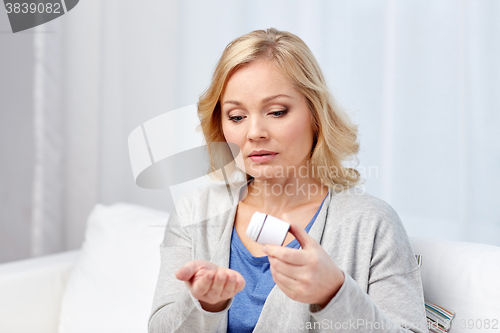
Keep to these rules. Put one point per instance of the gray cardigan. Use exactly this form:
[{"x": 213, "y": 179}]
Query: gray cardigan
[{"x": 362, "y": 234}]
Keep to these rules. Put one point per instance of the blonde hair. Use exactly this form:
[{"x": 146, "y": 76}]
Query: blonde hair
[{"x": 335, "y": 136}]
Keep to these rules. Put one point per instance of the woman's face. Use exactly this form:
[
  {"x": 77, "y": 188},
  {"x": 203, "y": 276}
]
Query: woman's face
[{"x": 268, "y": 119}]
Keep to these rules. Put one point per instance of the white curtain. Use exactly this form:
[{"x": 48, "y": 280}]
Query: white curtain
[{"x": 421, "y": 78}]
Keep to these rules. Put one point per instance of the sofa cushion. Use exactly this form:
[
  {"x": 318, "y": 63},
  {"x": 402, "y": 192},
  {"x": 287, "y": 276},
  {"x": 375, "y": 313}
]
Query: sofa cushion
[
  {"x": 462, "y": 276},
  {"x": 112, "y": 285}
]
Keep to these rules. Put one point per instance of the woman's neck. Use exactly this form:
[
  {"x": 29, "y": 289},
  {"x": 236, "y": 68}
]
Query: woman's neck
[{"x": 274, "y": 196}]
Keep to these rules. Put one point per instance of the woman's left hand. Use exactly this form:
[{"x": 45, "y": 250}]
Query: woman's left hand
[{"x": 308, "y": 275}]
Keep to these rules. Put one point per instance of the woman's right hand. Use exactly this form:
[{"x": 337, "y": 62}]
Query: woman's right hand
[{"x": 212, "y": 285}]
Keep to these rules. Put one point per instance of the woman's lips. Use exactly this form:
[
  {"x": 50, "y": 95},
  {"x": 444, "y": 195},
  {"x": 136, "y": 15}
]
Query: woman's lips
[{"x": 263, "y": 158}]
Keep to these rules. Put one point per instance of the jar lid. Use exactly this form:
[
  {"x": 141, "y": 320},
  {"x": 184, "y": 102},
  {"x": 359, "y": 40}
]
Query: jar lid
[{"x": 255, "y": 225}]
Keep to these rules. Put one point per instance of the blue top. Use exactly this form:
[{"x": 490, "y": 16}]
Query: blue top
[{"x": 247, "y": 304}]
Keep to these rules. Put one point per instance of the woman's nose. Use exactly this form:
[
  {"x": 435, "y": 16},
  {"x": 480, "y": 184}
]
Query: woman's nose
[{"x": 257, "y": 130}]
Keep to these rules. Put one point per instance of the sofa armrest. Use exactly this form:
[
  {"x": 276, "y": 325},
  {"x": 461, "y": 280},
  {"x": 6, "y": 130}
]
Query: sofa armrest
[{"x": 31, "y": 291}]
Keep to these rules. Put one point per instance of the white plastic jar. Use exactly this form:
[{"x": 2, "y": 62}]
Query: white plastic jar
[{"x": 267, "y": 229}]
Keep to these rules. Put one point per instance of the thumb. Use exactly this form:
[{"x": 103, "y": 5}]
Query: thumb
[
  {"x": 300, "y": 234},
  {"x": 186, "y": 272}
]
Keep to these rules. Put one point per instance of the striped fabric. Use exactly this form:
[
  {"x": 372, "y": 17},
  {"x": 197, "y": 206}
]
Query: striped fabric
[{"x": 438, "y": 318}]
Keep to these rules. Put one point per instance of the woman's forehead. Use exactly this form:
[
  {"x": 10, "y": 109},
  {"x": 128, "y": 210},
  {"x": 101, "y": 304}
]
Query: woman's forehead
[{"x": 258, "y": 79}]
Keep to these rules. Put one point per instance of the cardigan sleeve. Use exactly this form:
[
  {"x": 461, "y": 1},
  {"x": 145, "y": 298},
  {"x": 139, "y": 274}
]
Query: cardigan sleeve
[
  {"x": 174, "y": 308},
  {"x": 353, "y": 310},
  {"x": 393, "y": 300}
]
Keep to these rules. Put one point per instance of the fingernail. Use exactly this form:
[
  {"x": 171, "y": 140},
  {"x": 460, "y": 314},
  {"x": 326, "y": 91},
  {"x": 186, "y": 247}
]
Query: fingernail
[{"x": 264, "y": 248}]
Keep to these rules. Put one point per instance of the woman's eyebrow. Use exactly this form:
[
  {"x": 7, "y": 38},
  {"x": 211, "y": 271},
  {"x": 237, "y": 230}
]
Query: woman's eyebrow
[
  {"x": 268, "y": 99},
  {"x": 265, "y": 100}
]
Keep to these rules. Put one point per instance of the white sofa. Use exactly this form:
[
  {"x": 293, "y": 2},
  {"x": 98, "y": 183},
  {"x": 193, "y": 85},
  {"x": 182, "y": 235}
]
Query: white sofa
[{"x": 108, "y": 285}]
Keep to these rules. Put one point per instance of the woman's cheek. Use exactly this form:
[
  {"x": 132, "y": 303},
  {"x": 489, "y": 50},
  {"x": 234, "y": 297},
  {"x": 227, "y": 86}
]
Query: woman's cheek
[{"x": 233, "y": 136}]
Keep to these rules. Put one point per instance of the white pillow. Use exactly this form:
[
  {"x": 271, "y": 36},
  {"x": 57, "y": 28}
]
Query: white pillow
[{"x": 112, "y": 285}]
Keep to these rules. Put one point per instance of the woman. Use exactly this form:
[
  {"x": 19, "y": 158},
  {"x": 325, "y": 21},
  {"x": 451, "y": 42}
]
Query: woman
[{"x": 355, "y": 270}]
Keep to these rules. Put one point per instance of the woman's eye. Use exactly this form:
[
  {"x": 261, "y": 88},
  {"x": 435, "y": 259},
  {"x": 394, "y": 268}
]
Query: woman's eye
[
  {"x": 280, "y": 113},
  {"x": 235, "y": 119}
]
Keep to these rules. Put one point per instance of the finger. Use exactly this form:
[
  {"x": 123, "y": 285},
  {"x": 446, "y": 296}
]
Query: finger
[
  {"x": 302, "y": 236},
  {"x": 217, "y": 285},
  {"x": 186, "y": 272},
  {"x": 286, "y": 254},
  {"x": 189, "y": 270},
  {"x": 203, "y": 285},
  {"x": 296, "y": 272},
  {"x": 240, "y": 283},
  {"x": 229, "y": 288},
  {"x": 285, "y": 283}
]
